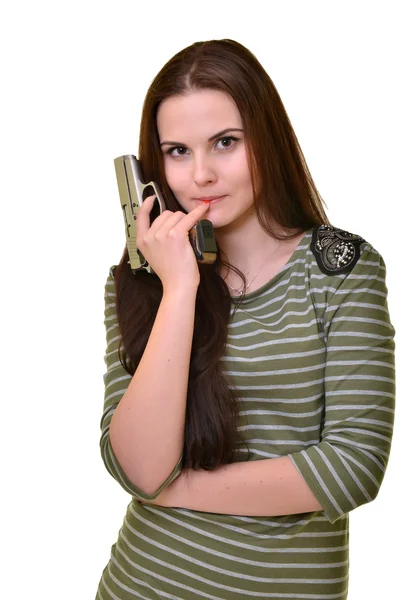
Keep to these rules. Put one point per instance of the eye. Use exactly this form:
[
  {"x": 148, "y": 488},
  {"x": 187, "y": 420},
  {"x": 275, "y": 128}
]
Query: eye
[
  {"x": 178, "y": 148},
  {"x": 228, "y": 142}
]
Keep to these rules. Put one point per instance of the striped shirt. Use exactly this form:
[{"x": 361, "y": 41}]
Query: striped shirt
[{"x": 311, "y": 357}]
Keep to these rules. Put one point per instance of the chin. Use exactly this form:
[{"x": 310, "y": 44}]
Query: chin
[{"x": 219, "y": 223}]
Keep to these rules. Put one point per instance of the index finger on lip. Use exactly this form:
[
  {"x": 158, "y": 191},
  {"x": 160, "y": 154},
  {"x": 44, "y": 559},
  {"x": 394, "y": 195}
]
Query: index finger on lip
[{"x": 193, "y": 217}]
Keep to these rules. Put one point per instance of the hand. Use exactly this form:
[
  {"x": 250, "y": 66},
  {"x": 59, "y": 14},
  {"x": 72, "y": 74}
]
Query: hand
[{"x": 165, "y": 244}]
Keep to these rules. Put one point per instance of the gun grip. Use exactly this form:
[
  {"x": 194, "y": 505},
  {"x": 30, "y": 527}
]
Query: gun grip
[{"x": 203, "y": 242}]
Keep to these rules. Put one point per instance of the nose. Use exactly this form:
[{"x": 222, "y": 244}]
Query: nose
[{"x": 204, "y": 170}]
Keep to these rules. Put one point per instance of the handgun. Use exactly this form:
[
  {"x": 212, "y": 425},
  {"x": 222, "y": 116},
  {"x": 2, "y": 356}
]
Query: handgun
[{"x": 132, "y": 188}]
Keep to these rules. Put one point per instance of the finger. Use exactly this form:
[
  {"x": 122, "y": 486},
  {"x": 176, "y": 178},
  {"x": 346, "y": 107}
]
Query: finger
[
  {"x": 193, "y": 217},
  {"x": 167, "y": 220},
  {"x": 143, "y": 216}
]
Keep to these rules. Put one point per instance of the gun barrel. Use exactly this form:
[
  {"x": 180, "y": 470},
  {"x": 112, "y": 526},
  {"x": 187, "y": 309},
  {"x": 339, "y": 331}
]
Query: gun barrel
[
  {"x": 130, "y": 201},
  {"x": 131, "y": 186}
]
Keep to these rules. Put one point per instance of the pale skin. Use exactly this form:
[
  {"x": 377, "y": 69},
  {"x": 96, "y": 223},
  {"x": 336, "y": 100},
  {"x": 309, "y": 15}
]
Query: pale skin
[
  {"x": 263, "y": 488},
  {"x": 198, "y": 166}
]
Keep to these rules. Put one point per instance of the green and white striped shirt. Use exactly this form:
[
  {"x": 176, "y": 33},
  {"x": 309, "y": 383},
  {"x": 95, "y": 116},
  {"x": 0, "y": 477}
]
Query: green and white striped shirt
[{"x": 311, "y": 356}]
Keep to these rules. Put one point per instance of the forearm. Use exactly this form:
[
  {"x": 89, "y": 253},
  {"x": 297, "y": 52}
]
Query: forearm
[
  {"x": 271, "y": 487},
  {"x": 147, "y": 428}
]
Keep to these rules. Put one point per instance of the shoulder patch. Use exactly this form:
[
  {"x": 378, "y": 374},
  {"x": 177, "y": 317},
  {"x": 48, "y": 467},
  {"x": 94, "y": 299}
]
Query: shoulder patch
[{"x": 336, "y": 250}]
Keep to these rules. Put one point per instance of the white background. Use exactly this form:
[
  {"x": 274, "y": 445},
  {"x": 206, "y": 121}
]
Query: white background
[{"x": 74, "y": 75}]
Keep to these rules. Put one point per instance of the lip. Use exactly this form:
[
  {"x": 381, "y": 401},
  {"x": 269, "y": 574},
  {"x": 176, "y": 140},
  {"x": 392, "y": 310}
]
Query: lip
[{"x": 211, "y": 199}]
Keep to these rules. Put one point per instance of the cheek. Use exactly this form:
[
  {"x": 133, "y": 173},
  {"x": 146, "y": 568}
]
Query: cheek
[
  {"x": 240, "y": 170},
  {"x": 177, "y": 183},
  {"x": 241, "y": 182},
  {"x": 246, "y": 181},
  {"x": 175, "y": 177},
  {"x": 169, "y": 175}
]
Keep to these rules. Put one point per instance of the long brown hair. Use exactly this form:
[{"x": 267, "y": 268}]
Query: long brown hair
[{"x": 283, "y": 189}]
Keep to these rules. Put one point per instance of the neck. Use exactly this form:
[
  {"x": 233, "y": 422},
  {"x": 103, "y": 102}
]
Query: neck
[
  {"x": 258, "y": 255},
  {"x": 248, "y": 247}
]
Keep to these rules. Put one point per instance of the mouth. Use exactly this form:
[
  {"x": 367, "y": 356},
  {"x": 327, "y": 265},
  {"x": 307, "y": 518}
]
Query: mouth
[{"x": 209, "y": 199}]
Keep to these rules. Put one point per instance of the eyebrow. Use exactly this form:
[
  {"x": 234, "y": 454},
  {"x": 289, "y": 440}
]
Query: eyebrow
[{"x": 212, "y": 138}]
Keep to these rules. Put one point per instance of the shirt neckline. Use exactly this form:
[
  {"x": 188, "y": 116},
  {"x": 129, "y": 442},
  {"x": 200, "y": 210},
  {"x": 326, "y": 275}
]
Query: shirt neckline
[{"x": 278, "y": 275}]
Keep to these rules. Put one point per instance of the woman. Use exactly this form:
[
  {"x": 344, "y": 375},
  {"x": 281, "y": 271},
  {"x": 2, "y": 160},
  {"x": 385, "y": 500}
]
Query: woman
[{"x": 249, "y": 403}]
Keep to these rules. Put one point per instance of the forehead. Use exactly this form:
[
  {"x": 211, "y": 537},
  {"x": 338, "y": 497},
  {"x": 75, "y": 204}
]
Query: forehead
[{"x": 197, "y": 114}]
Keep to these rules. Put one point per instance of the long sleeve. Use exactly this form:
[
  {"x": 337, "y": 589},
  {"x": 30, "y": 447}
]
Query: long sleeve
[
  {"x": 346, "y": 469},
  {"x": 116, "y": 381}
]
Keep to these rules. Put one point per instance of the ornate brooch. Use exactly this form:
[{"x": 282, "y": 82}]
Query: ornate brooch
[{"x": 336, "y": 250}]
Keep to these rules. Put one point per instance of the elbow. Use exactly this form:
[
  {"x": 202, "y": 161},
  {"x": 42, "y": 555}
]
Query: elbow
[
  {"x": 129, "y": 469},
  {"x": 146, "y": 487},
  {"x": 142, "y": 490},
  {"x": 342, "y": 478},
  {"x": 141, "y": 469},
  {"x": 362, "y": 487}
]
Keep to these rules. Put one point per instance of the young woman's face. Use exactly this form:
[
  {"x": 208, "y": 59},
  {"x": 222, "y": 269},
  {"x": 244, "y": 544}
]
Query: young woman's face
[{"x": 201, "y": 137}]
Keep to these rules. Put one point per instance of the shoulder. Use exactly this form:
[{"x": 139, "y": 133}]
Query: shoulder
[
  {"x": 111, "y": 276},
  {"x": 111, "y": 272},
  {"x": 339, "y": 252},
  {"x": 110, "y": 282},
  {"x": 344, "y": 263},
  {"x": 335, "y": 250}
]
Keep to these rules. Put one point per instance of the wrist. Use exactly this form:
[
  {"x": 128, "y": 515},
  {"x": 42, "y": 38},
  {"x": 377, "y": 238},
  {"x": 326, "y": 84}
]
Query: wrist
[{"x": 181, "y": 292}]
